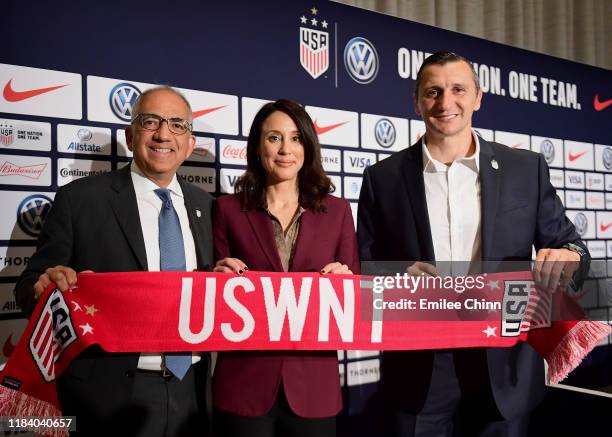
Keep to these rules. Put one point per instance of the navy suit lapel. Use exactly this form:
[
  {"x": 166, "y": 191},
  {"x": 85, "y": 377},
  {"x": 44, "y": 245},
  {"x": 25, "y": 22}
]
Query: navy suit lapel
[
  {"x": 415, "y": 187},
  {"x": 126, "y": 211},
  {"x": 489, "y": 195},
  {"x": 263, "y": 231}
]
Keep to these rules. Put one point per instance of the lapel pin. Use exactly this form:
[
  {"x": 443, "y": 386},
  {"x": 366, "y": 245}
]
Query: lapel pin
[
  {"x": 494, "y": 164},
  {"x": 198, "y": 213}
]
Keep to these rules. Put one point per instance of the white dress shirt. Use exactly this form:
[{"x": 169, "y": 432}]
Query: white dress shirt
[
  {"x": 453, "y": 205},
  {"x": 149, "y": 207}
]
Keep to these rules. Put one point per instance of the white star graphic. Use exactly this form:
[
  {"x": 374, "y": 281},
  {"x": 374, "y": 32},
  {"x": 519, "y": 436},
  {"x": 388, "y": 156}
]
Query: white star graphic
[
  {"x": 490, "y": 331},
  {"x": 87, "y": 328},
  {"x": 91, "y": 310},
  {"x": 324, "y": 24},
  {"x": 314, "y": 11},
  {"x": 77, "y": 307},
  {"x": 314, "y": 21},
  {"x": 303, "y": 19},
  {"x": 494, "y": 285}
]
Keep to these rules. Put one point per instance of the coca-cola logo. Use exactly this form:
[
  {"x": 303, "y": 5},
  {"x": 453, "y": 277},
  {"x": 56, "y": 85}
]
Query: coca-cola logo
[
  {"x": 235, "y": 152},
  {"x": 28, "y": 171}
]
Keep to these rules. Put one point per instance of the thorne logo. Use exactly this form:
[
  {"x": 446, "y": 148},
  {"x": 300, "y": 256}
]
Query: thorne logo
[
  {"x": 27, "y": 171},
  {"x": 122, "y": 99}
]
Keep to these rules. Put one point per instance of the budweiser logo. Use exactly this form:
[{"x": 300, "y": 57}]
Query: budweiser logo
[
  {"x": 27, "y": 171},
  {"x": 236, "y": 152},
  {"x": 201, "y": 150}
]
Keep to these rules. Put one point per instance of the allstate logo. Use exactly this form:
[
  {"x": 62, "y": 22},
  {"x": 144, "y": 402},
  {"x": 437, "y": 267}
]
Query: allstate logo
[
  {"x": 384, "y": 132},
  {"x": 547, "y": 148},
  {"x": 607, "y": 158},
  {"x": 581, "y": 223},
  {"x": 32, "y": 213},
  {"x": 84, "y": 134},
  {"x": 361, "y": 60},
  {"x": 122, "y": 99}
]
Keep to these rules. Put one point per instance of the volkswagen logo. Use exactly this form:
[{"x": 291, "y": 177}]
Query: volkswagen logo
[
  {"x": 32, "y": 213},
  {"x": 122, "y": 99},
  {"x": 361, "y": 60},
  {"x": 581, "y": 223},
  {"x": 547, "y": 149},
  {"x": 84, "y": 134},
  {"x": 384, "y": 132},
  {"x": 607, "y": 158}
]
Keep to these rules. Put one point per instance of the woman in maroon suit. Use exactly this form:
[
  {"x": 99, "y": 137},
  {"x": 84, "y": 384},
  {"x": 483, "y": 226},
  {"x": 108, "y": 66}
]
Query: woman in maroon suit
[{"x": 282, "y": 218}]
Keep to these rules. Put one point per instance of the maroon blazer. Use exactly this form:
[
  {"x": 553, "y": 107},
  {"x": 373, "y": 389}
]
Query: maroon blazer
[{"x": 247, "y": 383}]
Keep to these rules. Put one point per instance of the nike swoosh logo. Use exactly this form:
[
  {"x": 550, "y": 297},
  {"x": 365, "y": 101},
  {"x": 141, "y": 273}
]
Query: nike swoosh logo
[
  {"x": 573, "y": 157},
  {"x": 516, "y": 146},
  {"x": 600, "y": 106},
  {"x": 11, "y": 95},
  {"x": 604, "y": 228},
  {"x": 202, "y": 112},
  {"x": 322, "y": 129}
]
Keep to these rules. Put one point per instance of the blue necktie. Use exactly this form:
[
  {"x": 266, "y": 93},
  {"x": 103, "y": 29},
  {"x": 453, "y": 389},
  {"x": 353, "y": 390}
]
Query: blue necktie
[{"x": 172, "y": 258}]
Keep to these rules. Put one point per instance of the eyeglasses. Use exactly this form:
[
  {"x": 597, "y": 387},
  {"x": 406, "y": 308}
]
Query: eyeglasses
[{"x": 153, "y": 122}]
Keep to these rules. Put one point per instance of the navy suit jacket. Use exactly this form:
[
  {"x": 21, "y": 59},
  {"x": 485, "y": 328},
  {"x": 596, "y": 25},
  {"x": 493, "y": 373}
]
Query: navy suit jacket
[
  {"x": 519, "y": 209},
  {"x": 94, "y": 224}
]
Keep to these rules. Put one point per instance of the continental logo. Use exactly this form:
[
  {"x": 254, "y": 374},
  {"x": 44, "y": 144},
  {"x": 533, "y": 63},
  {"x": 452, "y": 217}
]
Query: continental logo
[{"x": 77, "y": 172}]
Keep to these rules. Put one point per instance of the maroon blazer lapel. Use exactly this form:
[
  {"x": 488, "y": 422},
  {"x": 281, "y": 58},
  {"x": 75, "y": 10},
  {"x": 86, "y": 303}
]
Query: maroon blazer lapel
[
  {"x": 306, "y": 237},
  {"x": 261, "y": 226}
]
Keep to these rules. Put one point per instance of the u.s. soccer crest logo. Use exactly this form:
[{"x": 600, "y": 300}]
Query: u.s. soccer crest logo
[
  {"x": 6, "y": 134},
  {"x": 314, "y": 45},
  {"x": 53, "y": 333}
]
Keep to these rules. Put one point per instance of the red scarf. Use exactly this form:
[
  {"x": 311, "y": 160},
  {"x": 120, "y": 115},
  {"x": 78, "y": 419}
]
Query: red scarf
[{"x": 178, "y": 311}]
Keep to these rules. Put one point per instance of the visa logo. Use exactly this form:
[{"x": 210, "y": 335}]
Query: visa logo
[
  {"x": 575, "y": 179},
  {"x": 232, "y": 180},
  {"x": 360, "y": 162}
]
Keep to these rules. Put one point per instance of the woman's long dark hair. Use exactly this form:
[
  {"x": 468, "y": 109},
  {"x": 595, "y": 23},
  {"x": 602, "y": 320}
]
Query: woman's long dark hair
[{"x": 313, "y": 183}]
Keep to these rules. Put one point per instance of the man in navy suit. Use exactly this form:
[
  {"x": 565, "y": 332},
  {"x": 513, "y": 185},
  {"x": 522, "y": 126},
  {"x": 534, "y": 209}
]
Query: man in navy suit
[
  {"x": 453, "y": 196},
  {"x": 111, "y": 223}
]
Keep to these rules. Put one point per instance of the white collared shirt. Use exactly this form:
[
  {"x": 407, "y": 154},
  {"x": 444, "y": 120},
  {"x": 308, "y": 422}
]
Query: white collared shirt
[
  {"x": 453, "y": 205},
  {"x": 149, "y": 207}
]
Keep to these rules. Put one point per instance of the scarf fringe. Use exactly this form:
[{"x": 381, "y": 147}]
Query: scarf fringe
[
  {"x": 14, "y": 403},
  {"x": 576, "y": 344}
]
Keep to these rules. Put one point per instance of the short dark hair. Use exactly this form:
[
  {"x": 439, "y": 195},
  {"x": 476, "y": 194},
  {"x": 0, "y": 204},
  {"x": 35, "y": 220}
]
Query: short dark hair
[
  {"x": 442, "y": 58},
  {"x": 313, "y": 183}
]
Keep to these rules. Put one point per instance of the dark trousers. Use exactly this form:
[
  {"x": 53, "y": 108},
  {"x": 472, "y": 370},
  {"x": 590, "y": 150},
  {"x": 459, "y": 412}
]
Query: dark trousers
[
  {"x": 158, "y": 407},
  {"x": 280, "y": 421},
  {"x": 450, "y": 412}
]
